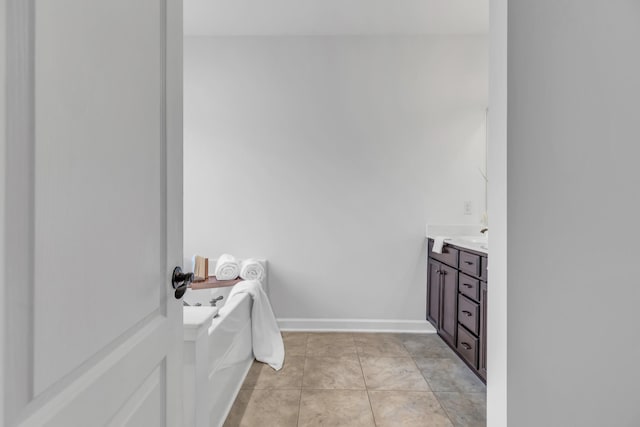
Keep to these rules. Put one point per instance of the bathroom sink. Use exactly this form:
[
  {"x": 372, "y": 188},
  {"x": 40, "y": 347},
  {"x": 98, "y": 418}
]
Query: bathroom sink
[
  {"x": 475, "y": 239},
  {"x": 471, "y": 242}
]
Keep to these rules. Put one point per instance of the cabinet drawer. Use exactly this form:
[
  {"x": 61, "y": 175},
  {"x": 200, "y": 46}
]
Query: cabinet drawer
[
  {"x": 468, "y": 346},
  {"x": 469, "y": 287},
  {"x": 448, "y": 256},
  {"x": 470, "y": 263},
  {"x": 469, "y": 314}
]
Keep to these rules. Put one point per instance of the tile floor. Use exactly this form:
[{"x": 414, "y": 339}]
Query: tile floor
[{"x": 361, "y": 379}]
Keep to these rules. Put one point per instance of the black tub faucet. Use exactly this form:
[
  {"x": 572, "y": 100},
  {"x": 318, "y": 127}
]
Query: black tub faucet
[{"x": 215, "y": 300}]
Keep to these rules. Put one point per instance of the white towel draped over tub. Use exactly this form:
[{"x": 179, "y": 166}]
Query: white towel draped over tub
[
  {"x": 227, "y": 267},
  {"x": 265, "y": 333},
  {"x": 251, "y": 269}
]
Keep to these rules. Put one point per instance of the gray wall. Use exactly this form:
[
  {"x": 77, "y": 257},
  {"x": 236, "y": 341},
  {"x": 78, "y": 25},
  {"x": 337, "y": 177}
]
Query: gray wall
[
  {"x": 327, "y": 156},
  {"x": 573, "y": 206},
  {"x": 497, "y": 165},
  {"x": 3, "y": 147}
]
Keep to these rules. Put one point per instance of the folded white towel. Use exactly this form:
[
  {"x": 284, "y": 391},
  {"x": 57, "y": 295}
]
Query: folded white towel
[
  {"x": 227, "y": 268},
  {"x": 251, "y": 269},
  {"x": 438, "y": 243},
  {"x": 265, "y": 333}
]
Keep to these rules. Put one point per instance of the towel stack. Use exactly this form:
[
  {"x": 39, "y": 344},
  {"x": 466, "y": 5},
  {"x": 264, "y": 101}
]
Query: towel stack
[{"x": 228, "y": 268}]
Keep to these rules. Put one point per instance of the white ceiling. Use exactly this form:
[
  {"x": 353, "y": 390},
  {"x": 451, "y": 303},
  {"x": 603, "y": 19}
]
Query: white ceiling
[{"x": 340, "y": 17}]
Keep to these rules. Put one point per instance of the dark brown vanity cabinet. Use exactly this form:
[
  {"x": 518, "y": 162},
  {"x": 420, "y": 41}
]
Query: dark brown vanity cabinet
[
  {"x": 442, "y": 297},
  {"x": 433, "y": 293},
  {"x": 482, "y": 368},
  {"x": 457, "y": 302}
]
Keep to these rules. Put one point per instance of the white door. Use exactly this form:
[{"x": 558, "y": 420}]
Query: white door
[{"x": 91, "y": 210}]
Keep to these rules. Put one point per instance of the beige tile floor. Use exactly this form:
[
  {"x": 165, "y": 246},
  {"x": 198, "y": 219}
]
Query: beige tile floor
[{"x": 343, "y": 379}]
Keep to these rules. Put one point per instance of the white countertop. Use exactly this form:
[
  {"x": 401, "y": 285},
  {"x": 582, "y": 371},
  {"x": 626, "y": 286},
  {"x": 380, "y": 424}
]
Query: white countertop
[
  {"x": 462, "y": 235},
  {"x": 465, "y": 243}
]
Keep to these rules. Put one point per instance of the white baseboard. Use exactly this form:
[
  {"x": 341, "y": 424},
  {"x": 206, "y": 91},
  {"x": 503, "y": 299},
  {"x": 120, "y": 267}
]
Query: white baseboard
[{"x": 356, "y": 325}]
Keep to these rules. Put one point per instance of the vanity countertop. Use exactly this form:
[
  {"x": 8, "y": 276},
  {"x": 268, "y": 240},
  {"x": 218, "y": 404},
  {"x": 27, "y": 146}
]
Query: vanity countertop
[
  {"x": 464, "y": 236},
  {"x": 478, "y": 244}
]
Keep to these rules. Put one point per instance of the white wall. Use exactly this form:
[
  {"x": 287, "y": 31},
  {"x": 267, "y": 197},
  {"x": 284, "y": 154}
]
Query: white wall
[
  {"x": 573, "y": 204},
  {"x": 327, "y": 156}
]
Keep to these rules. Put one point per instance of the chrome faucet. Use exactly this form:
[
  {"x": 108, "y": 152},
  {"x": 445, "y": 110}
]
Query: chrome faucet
[{"x": 484, "y": 230}]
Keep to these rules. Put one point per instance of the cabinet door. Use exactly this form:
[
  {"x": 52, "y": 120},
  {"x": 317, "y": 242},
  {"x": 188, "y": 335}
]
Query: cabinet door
[
  {"x": 483, "y": 331},
  {"x": 449, "y": 304},
  {"x": 433, "y": 293}
]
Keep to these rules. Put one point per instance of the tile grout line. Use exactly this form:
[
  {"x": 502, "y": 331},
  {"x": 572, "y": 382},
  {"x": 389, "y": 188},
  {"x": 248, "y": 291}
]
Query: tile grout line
[
  {"x": 421, "y": 374},
  {"x": 366, "y": 388},
  {"x": 444, "y": 409},
  {"x": 304, "y": 363},
  {"x": 430, "y": 388}
]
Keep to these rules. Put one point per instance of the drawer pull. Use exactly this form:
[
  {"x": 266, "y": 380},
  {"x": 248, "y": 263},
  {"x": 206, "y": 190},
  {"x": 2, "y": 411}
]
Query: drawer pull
[
  {"x": 466, "y": 285},
  {"x": 469, "y": 262},
  {"x": 465, "y": 345},
  {"x": 468, "y": 313}
]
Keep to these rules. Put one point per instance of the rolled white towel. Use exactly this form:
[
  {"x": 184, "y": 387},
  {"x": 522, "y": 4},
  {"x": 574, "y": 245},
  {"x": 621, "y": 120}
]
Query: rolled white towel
[
  {"x": 227, "y": 267},
  {"x": 251, "y": 269}
]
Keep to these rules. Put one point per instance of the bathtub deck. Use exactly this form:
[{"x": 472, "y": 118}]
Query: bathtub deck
[{"x": 362, "y": 379}]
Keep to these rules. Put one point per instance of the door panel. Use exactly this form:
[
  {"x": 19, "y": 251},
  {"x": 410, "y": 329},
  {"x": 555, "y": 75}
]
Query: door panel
[
  {"x": 433, "y": 293},
  {"x": 109, "y": 390},
  {"x": 98, "y": 117},
  {"x": 147, "y": 400},
  {"x": 94, "y": 177},
  {"x": 449, "y": 307}
]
